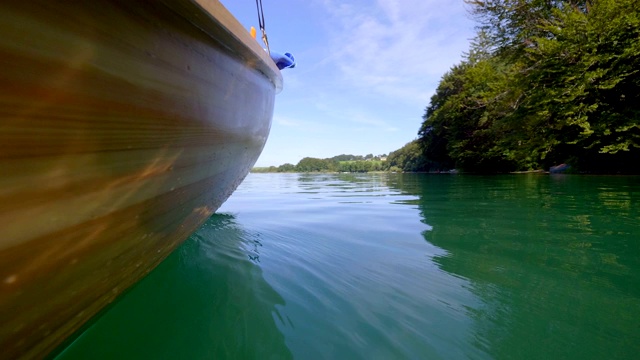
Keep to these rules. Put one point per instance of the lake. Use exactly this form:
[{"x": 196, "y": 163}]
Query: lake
[{"x": 394, "y": 266}]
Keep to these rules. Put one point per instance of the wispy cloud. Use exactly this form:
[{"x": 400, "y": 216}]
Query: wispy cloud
[
  {"x": 300, "y": 125},
  {"x": 283, "y": 121},
  {"x": 398, "y": 48},
  {"x": 371, "y": 121}
]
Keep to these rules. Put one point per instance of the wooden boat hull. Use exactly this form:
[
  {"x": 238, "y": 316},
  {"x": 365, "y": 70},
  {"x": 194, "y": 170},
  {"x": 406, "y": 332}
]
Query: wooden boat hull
[{"x": 123, "y": 126}]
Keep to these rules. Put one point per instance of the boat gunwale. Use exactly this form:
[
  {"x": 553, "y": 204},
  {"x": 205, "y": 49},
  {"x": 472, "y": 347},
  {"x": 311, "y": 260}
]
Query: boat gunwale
[{"x": 212, "y": 18}]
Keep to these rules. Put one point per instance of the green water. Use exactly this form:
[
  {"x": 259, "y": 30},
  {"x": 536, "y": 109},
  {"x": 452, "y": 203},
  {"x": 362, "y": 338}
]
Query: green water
[{"x": 394, "y": 266}]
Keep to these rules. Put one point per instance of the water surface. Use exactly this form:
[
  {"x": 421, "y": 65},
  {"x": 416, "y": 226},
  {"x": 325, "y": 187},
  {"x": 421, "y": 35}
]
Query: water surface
[{"x": 391, "y": 266}]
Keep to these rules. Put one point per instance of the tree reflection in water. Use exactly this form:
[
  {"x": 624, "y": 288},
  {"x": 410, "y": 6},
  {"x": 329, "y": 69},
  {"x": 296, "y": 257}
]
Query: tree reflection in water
[{"x": 553, "y": 258}]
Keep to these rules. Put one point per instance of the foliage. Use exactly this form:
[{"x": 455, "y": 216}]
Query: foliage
[
  {"x": 286, "y": 168},
  {"x": 409, "y": 158},
  {"x": 459, "y": 129},
  {"x": 345, "y": 157},
  {"x": 544, "y": 82},
  {"x": 360, "y": 166},
  {"x": 340, "y": 163},
  {"x": 310, "y": 164}
]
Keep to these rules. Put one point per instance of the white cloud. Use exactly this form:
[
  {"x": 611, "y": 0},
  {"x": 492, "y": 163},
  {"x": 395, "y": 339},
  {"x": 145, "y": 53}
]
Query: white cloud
[
  {"x": 363, "y": 118},
  {"x": 348, "y": 112},
  {"x": 299, "y": 125},
  {"x": 284, "y": 121},
  {"x": 398, "y": 48}
]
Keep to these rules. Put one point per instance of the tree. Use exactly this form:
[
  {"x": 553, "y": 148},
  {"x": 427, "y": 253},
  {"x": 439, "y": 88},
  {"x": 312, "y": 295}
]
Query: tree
[
  {"x": 310, "y": 164},
  {"x": 583, "y": 86},
  {"x": 409, "y": 158},
  {"x": 459, "y": 128},
  {"x": 513, "y": 26},
  {"x": 545, "y": 82},
  {"x": 286, "y": 168}
]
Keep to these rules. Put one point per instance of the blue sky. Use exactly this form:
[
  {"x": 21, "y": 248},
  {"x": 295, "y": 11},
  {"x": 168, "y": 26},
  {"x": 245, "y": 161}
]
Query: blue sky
[{"x": 365, "y": 71}]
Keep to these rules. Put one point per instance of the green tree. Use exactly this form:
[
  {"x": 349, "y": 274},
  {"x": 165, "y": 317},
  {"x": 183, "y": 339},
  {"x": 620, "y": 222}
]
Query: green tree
[
  {"x": 513, "y": 25},
  {"x": 408, "y": 158},
  {"x": 545, "y": 82},
  {"x": 310, "y": 164},
  {"x": 287, "y": 167},
  {"x": 459, "y": 128},
  {"x": 588, "y": 81}
]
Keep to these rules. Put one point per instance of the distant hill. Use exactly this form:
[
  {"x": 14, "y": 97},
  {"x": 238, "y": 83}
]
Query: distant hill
[{"x": 409, "y": 158}]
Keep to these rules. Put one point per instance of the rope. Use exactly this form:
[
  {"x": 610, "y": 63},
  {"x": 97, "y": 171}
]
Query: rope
[{"x": 261, "y": 23}]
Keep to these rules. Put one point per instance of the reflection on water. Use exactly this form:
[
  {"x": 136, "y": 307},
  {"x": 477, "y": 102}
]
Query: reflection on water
[
  {"x": 555, "y": 260},
  {"x": 207, "y": 300},
  {"x": 395, "y": 266},
  {"x": 354, "y": 268}
]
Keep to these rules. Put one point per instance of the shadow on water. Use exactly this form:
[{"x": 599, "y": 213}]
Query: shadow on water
[
  {"x": 554, "y": 259},
  {"x": 207, "y": 300}
]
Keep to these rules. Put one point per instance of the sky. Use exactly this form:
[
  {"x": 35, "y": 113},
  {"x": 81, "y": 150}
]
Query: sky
[{"x": 365, "y": 71}]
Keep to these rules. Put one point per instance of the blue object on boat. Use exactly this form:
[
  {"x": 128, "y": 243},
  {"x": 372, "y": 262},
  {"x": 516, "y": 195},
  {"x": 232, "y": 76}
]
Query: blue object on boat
[{"x": 283, "y": 61}]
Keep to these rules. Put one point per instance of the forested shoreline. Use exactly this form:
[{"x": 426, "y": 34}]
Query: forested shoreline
[
  {"x": 545, "y": 82},
  {"x": 339, "y": 163}
]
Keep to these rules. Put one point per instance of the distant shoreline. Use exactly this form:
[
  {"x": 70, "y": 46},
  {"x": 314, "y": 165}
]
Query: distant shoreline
[{"x": 528, "y": 172}]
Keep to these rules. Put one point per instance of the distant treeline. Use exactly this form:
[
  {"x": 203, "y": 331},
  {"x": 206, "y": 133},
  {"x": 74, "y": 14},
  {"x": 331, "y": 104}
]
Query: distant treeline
[
  {"x": 340, "y": 163},
  {"x": 407, "y": 159},
  {"x": 544, "y": 82}
]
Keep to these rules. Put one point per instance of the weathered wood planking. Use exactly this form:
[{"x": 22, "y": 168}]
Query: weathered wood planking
[{"x": 123, "y": 126}]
